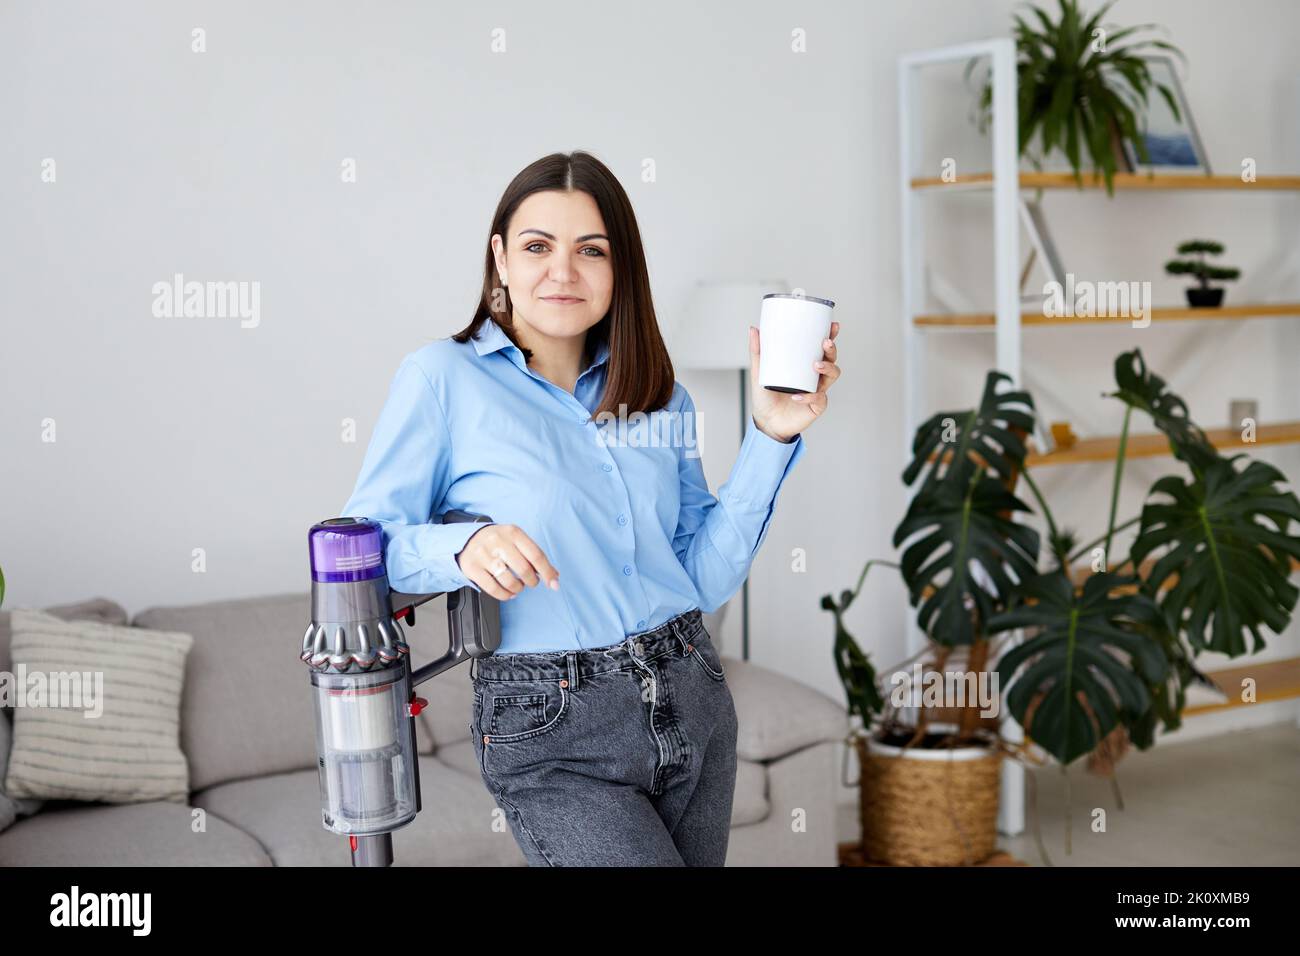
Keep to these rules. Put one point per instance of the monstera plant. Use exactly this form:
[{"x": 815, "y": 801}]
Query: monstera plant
[{"x": 1109, "y": 652}]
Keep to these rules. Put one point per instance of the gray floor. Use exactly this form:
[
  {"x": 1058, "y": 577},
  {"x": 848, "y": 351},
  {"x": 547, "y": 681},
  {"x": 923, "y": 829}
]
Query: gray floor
[{"x": 1229, "y": 800}]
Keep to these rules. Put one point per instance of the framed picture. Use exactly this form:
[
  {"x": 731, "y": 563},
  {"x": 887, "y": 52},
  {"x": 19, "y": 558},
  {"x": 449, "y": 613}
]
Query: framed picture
[{"x": 1173, "y": 145}]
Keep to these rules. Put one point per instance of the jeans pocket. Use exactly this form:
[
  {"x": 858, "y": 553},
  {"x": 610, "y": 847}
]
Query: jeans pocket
[
  {"x": 519, "y": 720},
  {"x": 517, "y": 714},
  {"x": 522, "y": 710},
  {"x": 706, "y": 655}
]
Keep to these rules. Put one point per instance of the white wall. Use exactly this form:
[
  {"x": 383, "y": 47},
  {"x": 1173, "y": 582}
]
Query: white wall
[{"x": 176, "y": 434}]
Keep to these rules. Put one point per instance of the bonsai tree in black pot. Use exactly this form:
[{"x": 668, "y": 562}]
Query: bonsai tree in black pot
[
  {"x": 1108, "y": 655},
  {"x": 1203, "y": 295}
]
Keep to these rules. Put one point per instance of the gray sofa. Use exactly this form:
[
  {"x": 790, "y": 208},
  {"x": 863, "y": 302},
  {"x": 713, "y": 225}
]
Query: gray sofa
[{"x": 247, "y": 732}]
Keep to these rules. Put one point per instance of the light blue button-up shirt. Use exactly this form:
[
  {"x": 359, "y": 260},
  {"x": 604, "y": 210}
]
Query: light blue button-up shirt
[{"x": 621, "y": 509}]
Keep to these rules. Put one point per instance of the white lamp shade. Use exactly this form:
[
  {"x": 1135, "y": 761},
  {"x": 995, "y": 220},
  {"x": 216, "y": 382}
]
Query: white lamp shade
[{"x": 713, "y": 331}]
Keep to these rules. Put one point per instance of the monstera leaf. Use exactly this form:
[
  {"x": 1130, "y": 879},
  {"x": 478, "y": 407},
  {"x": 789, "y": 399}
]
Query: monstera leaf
[
  {"x": 1144, "y": 390},
  {"x": 1090, "y": 651},
  {"x": 968, "y": 531},
  {"x": 950, "y": 437},
  {"x": 1227, "y": 535},
  {"x": 1169, "y": 693},
  {"x": 853, "y": 666}
]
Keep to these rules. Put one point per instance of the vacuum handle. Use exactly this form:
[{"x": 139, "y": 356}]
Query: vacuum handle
[
  {"x": 473, "y": 620},
  {"x": 404, "y": 605}
]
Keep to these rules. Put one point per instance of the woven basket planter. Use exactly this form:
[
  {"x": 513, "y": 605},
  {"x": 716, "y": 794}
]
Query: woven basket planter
[{"x": 928, "y": 807}]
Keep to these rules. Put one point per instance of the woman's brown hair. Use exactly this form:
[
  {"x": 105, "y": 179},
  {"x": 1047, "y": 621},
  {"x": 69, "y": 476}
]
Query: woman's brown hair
[{"x": 639, "y": 373}]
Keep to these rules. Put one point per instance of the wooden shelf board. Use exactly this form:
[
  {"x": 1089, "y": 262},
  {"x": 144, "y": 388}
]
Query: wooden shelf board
[
  {"x": 1274, "y": 680},
  {"x": 987, "y": 320},
  {"x": 1081, "y": 573},
  {"x": 1151, "y": 445},
  {"x": 1127, "y": 181}
]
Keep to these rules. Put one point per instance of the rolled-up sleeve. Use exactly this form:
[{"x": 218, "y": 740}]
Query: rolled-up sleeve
[
  {"x": 717, "y": 537},
  {"x": 404, "y": 477}
]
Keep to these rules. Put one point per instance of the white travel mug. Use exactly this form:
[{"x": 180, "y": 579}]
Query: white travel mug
[{"x": 791, "y": 329}]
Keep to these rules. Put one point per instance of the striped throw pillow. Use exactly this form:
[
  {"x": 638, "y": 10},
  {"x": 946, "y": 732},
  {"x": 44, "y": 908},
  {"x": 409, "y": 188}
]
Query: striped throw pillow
[{"x": 96, "y": 711}]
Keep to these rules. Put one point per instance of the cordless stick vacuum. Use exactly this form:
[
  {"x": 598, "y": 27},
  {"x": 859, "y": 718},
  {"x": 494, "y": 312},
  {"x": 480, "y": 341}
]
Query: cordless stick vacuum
[{"x": 364, "y": 684}]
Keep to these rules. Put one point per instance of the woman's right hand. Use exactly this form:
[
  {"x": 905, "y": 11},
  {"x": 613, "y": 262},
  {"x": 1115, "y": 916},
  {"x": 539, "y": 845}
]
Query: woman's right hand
[{"x": 496, "y": 550}]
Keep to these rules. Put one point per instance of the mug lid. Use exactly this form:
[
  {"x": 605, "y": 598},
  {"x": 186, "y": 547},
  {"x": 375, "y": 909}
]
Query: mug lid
[{"x": 791, "y": 295}]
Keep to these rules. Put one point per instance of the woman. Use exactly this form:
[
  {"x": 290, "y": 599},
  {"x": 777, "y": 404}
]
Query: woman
[{"x": 603, "y": 725}]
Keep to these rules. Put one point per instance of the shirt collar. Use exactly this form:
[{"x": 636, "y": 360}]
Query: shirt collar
[{"x": 491, "y": 338}]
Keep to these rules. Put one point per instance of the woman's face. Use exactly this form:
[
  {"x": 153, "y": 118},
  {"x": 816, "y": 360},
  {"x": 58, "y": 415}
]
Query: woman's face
[{"x": 556, "y": 246}]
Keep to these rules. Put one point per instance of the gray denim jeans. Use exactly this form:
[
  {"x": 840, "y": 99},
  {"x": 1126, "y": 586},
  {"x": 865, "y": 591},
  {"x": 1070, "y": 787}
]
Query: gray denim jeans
[{"x": 614, "y": 756}]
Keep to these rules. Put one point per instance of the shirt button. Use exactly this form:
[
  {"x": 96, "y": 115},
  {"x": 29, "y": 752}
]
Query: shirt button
[
  {"x": 606, "y": 467},
  {"x": 622, "y": 519},
  {"x": 627, "y": 569},
  {"x": 640, "y": 623}
]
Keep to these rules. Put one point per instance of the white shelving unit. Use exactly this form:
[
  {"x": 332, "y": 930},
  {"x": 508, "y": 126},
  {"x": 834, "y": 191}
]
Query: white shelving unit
[
  {"x": 1006, "y": 258},
  {"x": 1006, "y": 232},
  {"x": 1007, "y": 182}
]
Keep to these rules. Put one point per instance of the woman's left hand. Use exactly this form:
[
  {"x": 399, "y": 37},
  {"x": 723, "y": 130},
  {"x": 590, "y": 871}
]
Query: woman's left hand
[{"x": 782, "y": 415}]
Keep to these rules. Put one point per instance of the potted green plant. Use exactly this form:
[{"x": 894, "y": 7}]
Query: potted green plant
[
  {"x": 1080, "y": 85},
  {"x": 1203, "y": 295},
  {"x": 1105, "y": 655}
]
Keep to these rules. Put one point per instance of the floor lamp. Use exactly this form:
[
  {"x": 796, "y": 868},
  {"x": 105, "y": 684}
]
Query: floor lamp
[{"x": 713, "y": 335}]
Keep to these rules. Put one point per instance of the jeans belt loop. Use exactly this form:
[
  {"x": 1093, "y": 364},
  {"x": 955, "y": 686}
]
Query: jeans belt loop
[
  {"x": 679, "y": 630},
  {"x": 572, "y": 658}
]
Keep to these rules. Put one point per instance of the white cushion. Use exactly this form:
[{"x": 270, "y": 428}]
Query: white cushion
[{"x": 108, "y": 728}]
